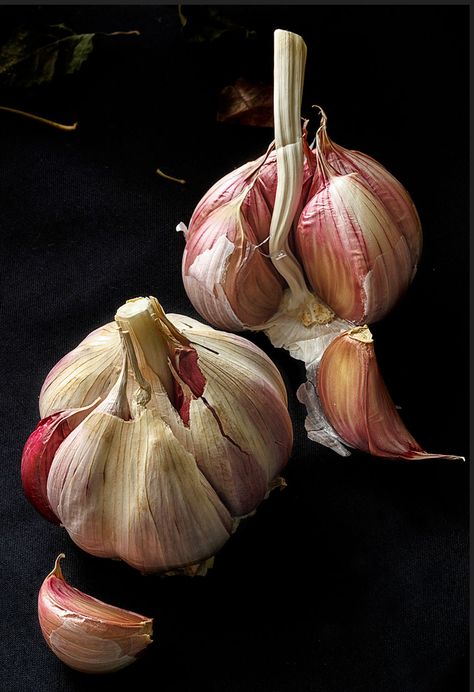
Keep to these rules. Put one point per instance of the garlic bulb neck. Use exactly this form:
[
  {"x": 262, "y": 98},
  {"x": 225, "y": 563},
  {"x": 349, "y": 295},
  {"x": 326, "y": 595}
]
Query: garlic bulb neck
[{"x": 137, "y": 318}]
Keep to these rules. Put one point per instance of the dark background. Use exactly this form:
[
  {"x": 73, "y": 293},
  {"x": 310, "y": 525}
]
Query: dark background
[{"x": 354, "y": 579}]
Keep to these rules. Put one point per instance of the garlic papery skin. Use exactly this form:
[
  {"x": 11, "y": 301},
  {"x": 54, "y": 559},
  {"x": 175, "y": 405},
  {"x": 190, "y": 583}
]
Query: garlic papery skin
[
  {"x": 161, "y": 480},
  {"x": 357, "y": 404},
  {"x": 39, "y": 451},
  {"x": 390, "y": 192},
  {"x": 227, "y": 275},
  {"x": 89, "y": 370},
  {"x": 85, "y": 633},
  {"x": 352, "y": 252},
  {"x": 359, "y": 236}
]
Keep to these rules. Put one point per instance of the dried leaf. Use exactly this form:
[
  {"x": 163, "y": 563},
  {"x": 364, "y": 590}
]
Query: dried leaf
[
  {"x": 32, "y": 57},
  {"x": 205, "y": 24},
  {"x": 246, "y": 103}
]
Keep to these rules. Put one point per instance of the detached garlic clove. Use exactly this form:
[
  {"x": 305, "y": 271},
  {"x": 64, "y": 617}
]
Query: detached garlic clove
[
  {"x": 39, "y": 451},
  {"x": 87, "y": 634},
  {"x": 356, "y": 402}
]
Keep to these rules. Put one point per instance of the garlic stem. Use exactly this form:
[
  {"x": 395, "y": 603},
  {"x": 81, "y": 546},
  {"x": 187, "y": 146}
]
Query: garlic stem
[
  {"x": 135, "y": 318},
  {"x": 289, "y": 67}
]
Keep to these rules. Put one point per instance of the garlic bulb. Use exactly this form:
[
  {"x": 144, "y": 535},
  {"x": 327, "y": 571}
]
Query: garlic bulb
[
  {"x": 359, "y": 236},
  {"x": 344, "y": 236},
  {"x": 191, "y": 437},
  {"x": 87, "y": 634},
  {"x": 355, "y": 401}
]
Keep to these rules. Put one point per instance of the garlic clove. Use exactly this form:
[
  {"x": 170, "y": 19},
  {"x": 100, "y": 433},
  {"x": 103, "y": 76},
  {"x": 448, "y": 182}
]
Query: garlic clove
[
  {"x": 241, "y": 435},
  {"x": 357, "y": 404},
  {"x": 39, "y": 451},
  {"x": 226, "y": 273},
  {"x": 84, "y": 373},
  {"x": 85, "y": 633},
  {"x": 382, "y": 183},
  {"x": 353, "y": 254},
  {"x": 359, "y": 236}
]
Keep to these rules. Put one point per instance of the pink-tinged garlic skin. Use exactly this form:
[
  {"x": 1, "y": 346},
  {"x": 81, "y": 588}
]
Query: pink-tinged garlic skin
[
  {"x": 226, "y": 270},
  {"x": 353, "y": 254},
  {"x": 359, "y": 236},
  {"x": 85, "y": 633},
  {"x": 226, "y": 275},
  {"x": 38, "y": 454},
  {"x": 357, "y": 404},
  {"x": 384, "y": 185}
]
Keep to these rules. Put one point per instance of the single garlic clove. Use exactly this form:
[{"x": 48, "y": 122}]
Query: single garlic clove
[
  {"x": 241, "y": 452},
  {"x": 100, "y": 358},
  {"x": 226, "y": 273},
  {"x": 356, "y": 402},
  {"x": 353, "y": 254},
  {"x": 87, "y": 634},
  {"x": 39, "y": 451},
  {"x": 384, "y": 185}
]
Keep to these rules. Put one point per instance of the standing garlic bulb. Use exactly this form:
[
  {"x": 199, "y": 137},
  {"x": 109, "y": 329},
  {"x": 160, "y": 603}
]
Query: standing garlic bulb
[
  {"x": 87, "y": 634},
  {"x": 191, "y": 437},
  {"x": 359, "y": 235}
]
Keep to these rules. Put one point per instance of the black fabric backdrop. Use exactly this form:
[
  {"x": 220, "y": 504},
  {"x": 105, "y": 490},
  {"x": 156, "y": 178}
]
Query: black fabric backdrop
[{"x": 355, "y": 577}]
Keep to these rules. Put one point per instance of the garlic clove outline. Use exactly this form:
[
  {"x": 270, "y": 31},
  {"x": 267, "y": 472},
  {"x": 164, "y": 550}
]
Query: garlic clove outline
[
  {"x": 356, "y": 401},
  {"x": 39, "y": 451},
  {"x": 85, "y": 633}
]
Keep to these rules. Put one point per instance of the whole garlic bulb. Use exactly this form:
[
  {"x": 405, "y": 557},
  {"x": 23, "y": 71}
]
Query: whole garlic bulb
[{"x": 190, "y": 438}]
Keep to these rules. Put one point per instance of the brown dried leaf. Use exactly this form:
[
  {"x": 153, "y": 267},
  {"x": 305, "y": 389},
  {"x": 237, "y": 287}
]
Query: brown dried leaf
[{"x": 246, "y": 103}]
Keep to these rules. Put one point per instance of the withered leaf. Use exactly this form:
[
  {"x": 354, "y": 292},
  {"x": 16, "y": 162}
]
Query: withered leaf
[
  {"x": 33, "y": 57},
  {"x": 246, "y": 103}
]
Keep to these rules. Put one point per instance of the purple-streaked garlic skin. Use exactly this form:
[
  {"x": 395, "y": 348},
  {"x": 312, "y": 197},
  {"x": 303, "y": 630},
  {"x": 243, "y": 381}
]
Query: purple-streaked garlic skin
[
  {"x": 359, "y": 236},
  {"x": 353, "y": 254},
  {"x": 357, "y": 404},
  {"x": 38, "y": 455},
  {"x": 85, "y": 633}
]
